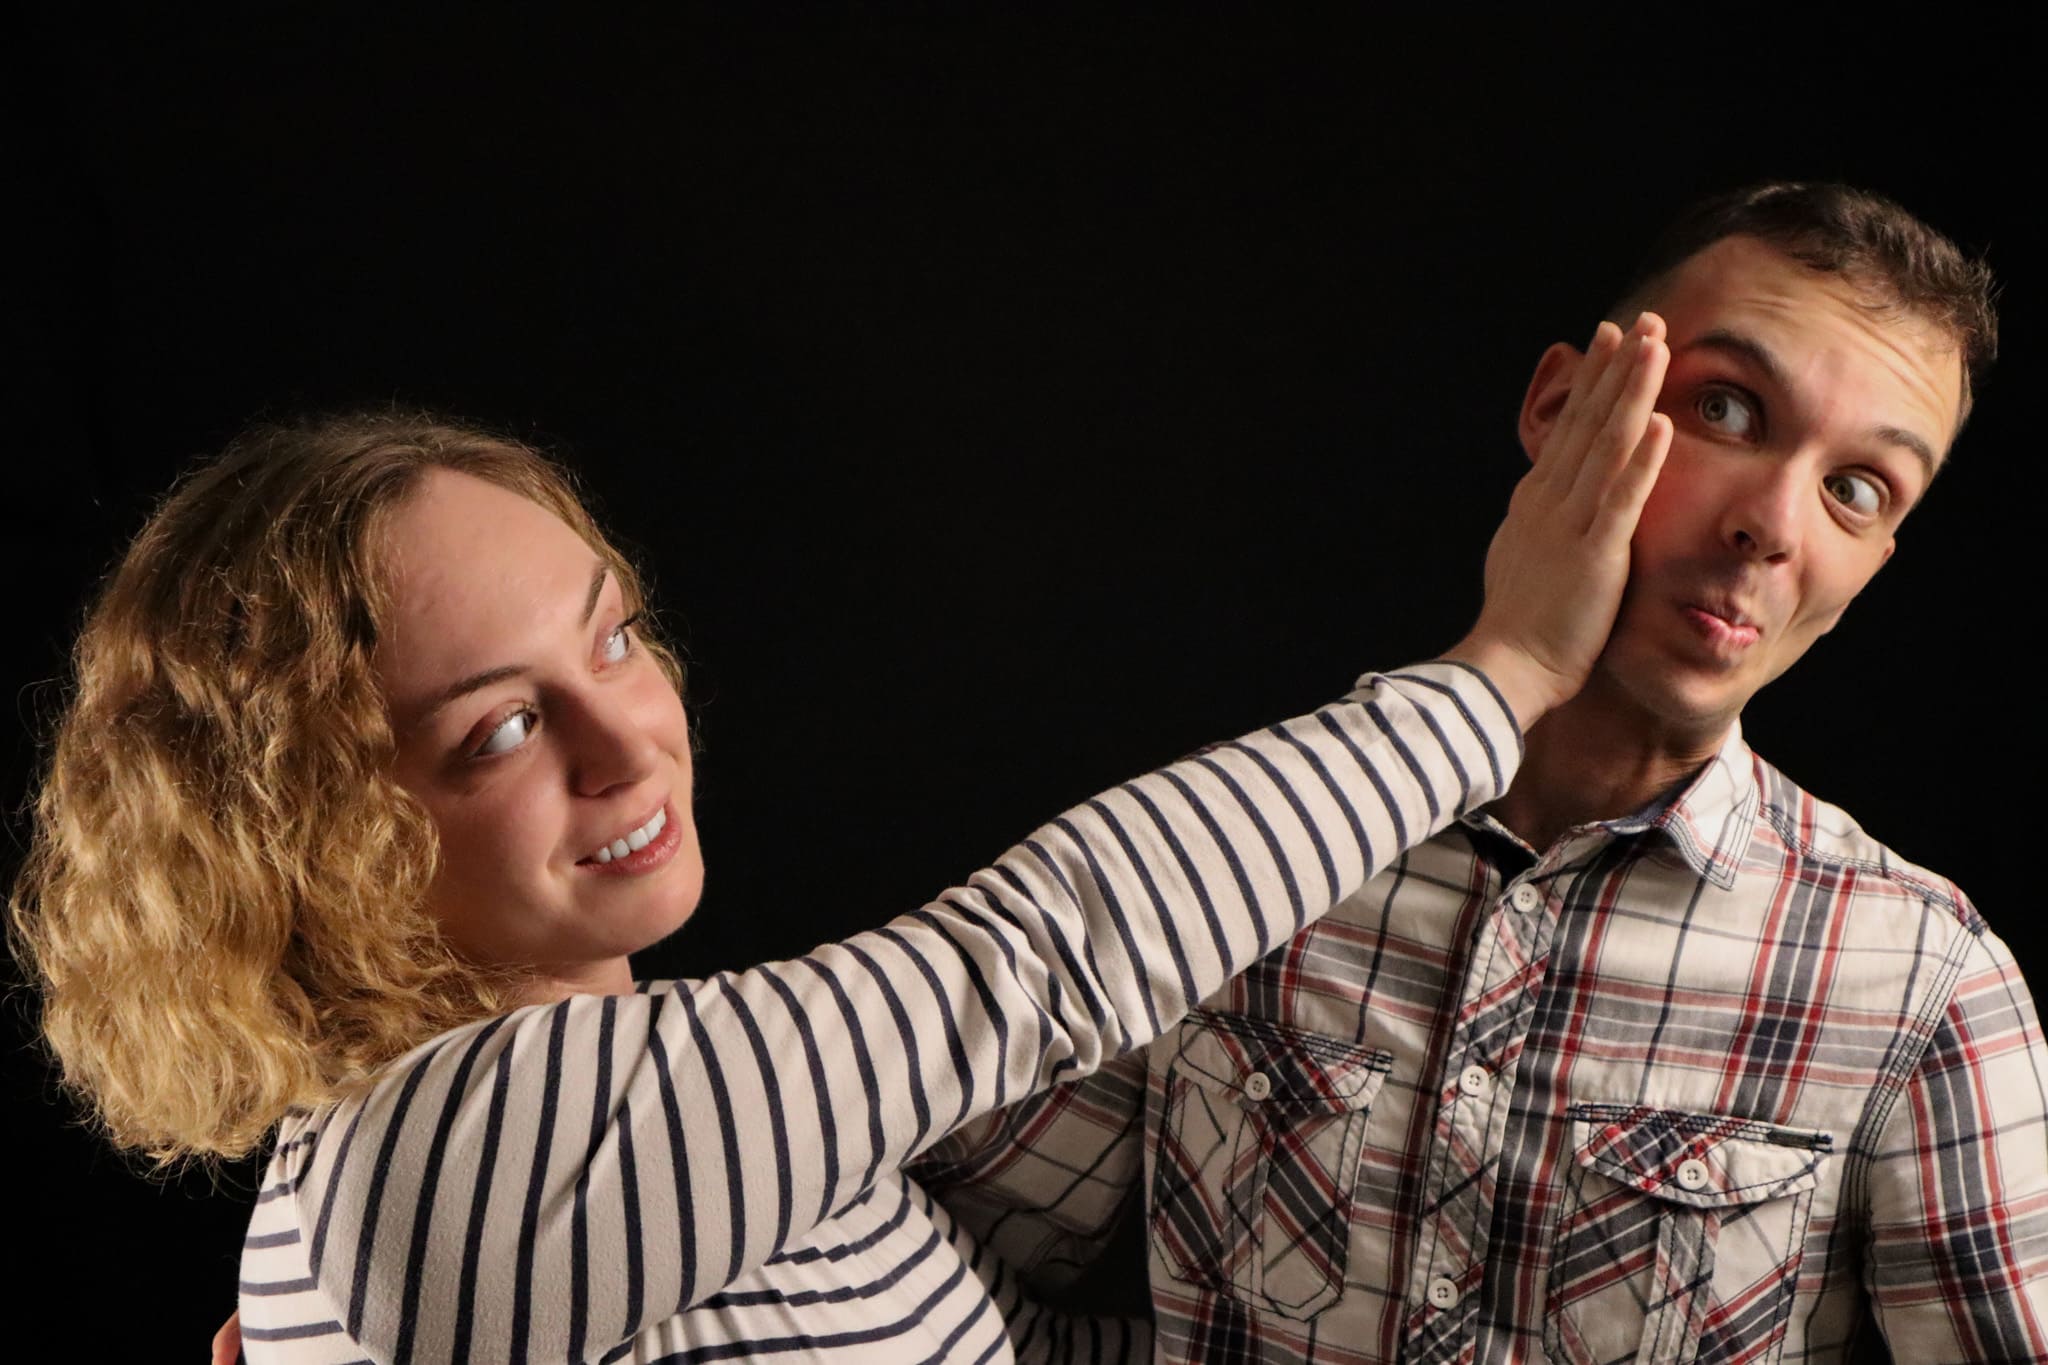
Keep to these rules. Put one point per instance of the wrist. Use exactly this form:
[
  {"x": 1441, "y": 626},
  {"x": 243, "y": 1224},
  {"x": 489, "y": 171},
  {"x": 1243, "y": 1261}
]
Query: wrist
[{"x": 1529, "y": 689}]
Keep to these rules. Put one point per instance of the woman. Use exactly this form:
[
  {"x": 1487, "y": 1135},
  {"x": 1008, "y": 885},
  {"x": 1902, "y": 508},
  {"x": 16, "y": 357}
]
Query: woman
[{"x": 371, "y": 782}]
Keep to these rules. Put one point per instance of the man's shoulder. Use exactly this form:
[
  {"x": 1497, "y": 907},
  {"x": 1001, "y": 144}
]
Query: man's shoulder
[{"x": 1828, "y": 839}]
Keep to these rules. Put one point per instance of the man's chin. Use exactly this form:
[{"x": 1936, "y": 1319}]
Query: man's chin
[{"x": 1676, "y": 696}]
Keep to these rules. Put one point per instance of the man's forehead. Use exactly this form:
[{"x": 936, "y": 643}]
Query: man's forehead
[{"x": 1744, "y": 288}]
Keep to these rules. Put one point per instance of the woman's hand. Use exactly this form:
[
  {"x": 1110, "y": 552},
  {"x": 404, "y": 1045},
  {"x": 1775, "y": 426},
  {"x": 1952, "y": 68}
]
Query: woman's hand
[
  {"x": 227, "y": 1342},
  {"x": 1558, "y": 564}
]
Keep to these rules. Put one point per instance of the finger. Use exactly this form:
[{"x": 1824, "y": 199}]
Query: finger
[
  {"x": 1610, "y": 448},
  {"x": 1571, "y": 420},
  {"x": 1600, "y": 351},
  {"x": 1630, "y": 491},
  {"x": 1598, "y": 391}
]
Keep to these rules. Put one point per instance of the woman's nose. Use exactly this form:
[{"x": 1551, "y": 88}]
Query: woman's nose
[{"x": 608, "y": 745}]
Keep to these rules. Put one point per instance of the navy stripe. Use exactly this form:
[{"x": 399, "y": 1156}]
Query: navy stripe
[
  {"x": 1400, "y": 746},
  {"x": 629, "y": 1199},
  {"x": 1228, "y": 850},
  {"x": 1372, "y": 772},
  {"x": 1055, "y": 991},
  {"x": 271, "y": 1239},
  {"x": 1272, "y": 841},
  {"x": 1308, "y": 824},
  {"x": 988, "y": 906},
  {"x": 1115, "y": 910},
  {"x": 1450, "y": 752},
  {"x": 863, "y": 1062},
  {"x": 315, "y": 1253},
  {"x": 907, "y": 1036},
  {"x": 1217, "y": 937},
  {"x": 821, "y": 1086},
  {"x": 778, "y": 1127},
  {"x": 753, "y": 1298},
  {"x": 430, "y": 1185},
  {"x": 728, "y": 1132},
  {"x": 373, "y": 1208},
  {"x": 678, "y": 1149},
  {"x": 1162, "y": 914},
  {"x": 990, "y": 1007},
  {"x": 956, "y": 1050},
  {"x": 1336, "y": 793},
  {"x": 479, "y": 1201},
  {"x": 296, "y": 1332},
  {"x": 1485, "y": 742},
  {"x": 1093, "y": 973},
  {"x": 579, "y": 1224},
  {"x": 263, "y": 1288},
  {"x": 536, "y": 1186}
]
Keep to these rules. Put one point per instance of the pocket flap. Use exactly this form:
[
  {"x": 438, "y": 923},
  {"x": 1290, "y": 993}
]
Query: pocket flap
[
  {"x": 1263, "y": 1063},
  {"x": 1704, "y": 1160}
]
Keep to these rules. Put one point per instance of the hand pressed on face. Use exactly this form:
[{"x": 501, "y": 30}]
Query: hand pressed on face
[{"x": 1559, "y": 562}]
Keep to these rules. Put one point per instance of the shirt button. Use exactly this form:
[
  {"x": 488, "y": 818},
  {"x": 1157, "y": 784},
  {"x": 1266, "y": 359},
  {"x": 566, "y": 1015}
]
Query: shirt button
[
  {"x": 1443, "y": 1292},
  {"x": 1258, "y": 1085},
  {"x": 1525, "y": 897},
  {"x": 1474, "y": 1080},
  {"x": 1692, "y": 1174}
]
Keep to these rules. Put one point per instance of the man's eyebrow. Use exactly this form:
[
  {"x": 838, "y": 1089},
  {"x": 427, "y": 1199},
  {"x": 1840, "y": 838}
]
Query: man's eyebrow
[
  {"x": 476, "y": 682},
  {"x": 1742, "y": 347}
]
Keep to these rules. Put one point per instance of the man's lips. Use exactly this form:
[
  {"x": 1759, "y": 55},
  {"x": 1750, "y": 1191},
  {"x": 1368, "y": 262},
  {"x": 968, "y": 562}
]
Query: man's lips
[{"x": 1724, "y": 626}]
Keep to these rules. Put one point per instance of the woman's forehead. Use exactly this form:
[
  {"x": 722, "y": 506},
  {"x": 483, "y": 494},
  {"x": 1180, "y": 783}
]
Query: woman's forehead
[{"x": 476, "y": 574}]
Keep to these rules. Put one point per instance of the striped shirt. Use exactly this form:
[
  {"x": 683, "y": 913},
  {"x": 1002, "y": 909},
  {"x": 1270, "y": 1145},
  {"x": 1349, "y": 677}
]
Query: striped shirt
[
  {"x": 710, "y": 1170},
  {"x": 1716, "y": 1082}
]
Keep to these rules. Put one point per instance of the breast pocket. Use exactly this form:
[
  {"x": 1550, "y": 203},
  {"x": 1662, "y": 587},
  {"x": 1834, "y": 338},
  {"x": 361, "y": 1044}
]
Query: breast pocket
[
  {"x": 1256, "y": 1162},
  {"x": 1680, "y": 1236}
]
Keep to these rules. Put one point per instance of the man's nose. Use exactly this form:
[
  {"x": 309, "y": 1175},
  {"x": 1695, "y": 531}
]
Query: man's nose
[
  {"x": 610, "y": 747},
  {"x": 1763, "y": 521}
]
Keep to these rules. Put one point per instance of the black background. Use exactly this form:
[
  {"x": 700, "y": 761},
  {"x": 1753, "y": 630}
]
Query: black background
[{"x": 1002, "y": 405}]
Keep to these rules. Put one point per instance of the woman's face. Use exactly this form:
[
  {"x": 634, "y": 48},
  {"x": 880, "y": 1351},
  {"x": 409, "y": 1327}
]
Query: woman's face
[{"x": 537, "y": 732}]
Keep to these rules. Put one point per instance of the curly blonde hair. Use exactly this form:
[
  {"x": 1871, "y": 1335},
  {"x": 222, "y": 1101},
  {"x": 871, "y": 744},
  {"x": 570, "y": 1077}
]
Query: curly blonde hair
[{"x": 224, "y": 900}]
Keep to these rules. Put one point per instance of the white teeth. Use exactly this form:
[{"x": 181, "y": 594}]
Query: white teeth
[{"x": 635, "y": 841}]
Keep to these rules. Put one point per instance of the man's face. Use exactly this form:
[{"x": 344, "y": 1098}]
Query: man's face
[{"x": 1805, "y": 426}]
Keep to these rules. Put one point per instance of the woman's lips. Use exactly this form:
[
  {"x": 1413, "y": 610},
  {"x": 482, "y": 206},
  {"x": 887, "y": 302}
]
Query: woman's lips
[{"x": 659, "y": 850}]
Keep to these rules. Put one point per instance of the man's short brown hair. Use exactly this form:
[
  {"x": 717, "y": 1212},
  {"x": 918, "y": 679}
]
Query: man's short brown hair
[{"x": 1866, "y": 238}]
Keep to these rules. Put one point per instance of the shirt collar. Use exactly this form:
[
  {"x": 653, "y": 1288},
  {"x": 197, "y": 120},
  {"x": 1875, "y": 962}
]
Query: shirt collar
[{"x": 1708, "y": 820}]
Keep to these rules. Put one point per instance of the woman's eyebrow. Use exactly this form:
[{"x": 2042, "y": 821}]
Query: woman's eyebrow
[{"x": 477, "y": 681}]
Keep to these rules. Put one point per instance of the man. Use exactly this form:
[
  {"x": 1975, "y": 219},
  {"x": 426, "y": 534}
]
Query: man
[{"x": 1658, "y": 1057}]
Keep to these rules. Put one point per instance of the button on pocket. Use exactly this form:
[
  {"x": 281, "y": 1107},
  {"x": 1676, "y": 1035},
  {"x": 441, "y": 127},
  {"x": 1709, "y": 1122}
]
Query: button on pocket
[
  {"x": 1255, "y": 1160},
  {"x": 1702, "y": 1217}
]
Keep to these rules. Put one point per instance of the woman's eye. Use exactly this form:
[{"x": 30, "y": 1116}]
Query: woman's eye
[
  {"x": 1727, "y": 412},
  {"x": 619, "y": 643},
  {"x": 1857, "y": 492},
  {"x": 510, "y": 734}
]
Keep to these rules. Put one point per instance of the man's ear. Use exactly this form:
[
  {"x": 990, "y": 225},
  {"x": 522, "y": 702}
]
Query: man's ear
[{"x": 1548, "y": 388}]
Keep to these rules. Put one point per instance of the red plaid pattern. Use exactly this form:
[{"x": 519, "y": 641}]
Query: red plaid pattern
[{"x": 1719, "y": 1082}]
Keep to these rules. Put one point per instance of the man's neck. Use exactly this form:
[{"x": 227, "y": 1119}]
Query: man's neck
[{"x": 1600, "y": 756}]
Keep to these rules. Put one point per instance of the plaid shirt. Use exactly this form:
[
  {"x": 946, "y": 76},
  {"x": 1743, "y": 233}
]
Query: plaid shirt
[{"x": 1695, "y": 1085}]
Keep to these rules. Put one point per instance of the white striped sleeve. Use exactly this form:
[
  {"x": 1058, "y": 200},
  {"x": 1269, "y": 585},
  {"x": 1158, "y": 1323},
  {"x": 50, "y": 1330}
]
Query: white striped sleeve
[{"x": 544, "y": 1185}]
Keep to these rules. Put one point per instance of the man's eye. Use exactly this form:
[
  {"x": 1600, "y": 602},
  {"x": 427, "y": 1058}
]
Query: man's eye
[
  {"x": 510, "y": 734},
  {"x": 1727, "y": 411},
  {"x": 1857, "y": 492}
]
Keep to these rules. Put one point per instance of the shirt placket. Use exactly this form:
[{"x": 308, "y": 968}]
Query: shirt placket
[{"x": 1503, "y": 980}]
